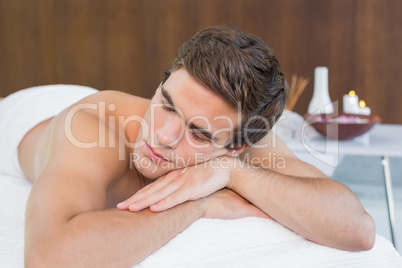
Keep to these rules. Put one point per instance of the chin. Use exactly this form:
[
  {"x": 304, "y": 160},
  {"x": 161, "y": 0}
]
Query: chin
[{"x": 150, "y": 169}]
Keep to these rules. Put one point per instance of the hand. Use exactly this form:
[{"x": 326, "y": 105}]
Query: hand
[
  {"x": 226, "y": 204},
  {"x": 178, "y": 186}
]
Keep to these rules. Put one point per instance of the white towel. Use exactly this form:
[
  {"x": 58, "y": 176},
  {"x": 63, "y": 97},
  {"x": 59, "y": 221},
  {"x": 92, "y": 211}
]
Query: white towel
[
  {"x": 24, "y": 109},
  {"x": 248, "y": 242},
  {"x": 257, "y": 242},
  {"x": 13, "y": 196}
]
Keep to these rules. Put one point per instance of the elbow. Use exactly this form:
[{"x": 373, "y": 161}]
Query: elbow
[
  {"x": 33, "y": 258},
  {"x": 365, "y": 236},
  {"x": 44, "y": 254}
]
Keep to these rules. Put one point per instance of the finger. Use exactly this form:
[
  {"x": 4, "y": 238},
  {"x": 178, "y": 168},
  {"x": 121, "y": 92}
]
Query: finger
[
  {"x": 155, "y": 185},
  {"x": 172, "y": 200},
  {"x": 153, "y": 198},
  {"x": 135, "y": 198},
  {"x": 143, "y": 193},
  {"x": 151, "y": 188},
  {"x": 122, "y": 206}
]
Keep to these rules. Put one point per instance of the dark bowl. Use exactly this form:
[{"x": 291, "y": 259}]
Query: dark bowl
[{"x": 343, "y": 126}]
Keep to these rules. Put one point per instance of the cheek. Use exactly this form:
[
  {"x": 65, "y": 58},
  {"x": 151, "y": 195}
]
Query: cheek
[
  {"x": 153, "y": 120},
  {"x": 158, "y": 117},
  {"x": 144, "y": 128},
  {"x": 199, "y": 155}
]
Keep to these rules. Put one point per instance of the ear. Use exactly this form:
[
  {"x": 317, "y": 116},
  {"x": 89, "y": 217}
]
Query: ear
[{"x": 236, "y": 152}]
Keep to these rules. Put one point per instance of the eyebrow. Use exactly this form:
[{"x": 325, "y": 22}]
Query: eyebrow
[
  {"x": 166, "y": 95},
  {"x": 204, "y": 132}
]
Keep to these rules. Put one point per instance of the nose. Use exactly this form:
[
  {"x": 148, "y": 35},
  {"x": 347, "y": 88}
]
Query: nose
[{"x": 171, "y": 132}]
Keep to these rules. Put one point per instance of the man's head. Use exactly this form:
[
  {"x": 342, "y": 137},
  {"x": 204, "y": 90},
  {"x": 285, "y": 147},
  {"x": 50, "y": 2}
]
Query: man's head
[
  {"x": 223, "y": 92},
  {"x": 242, "y": 70}
]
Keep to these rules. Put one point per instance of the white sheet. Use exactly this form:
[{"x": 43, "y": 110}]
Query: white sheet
[{"x": 248, "y": 242}]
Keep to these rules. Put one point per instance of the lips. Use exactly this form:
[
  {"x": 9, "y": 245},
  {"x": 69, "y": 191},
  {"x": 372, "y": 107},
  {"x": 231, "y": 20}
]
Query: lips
[{"x": 154, "y": 155}]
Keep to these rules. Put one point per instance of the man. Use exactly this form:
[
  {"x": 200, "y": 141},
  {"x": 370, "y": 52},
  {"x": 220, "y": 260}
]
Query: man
[{"x": 197, "y": 149}]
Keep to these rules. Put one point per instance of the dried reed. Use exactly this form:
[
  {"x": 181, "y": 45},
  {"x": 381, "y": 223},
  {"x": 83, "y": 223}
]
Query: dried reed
[{"x": 297, "y": 86}]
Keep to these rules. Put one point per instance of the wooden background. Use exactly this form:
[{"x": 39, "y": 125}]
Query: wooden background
[{"x": 126, "y": 44}]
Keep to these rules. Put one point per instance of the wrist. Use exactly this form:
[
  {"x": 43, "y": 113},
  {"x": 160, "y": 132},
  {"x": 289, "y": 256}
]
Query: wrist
[
  {"x": 241, "y": 170},
  {"x": 202, "y": 204},
  {"x": 233, "y": 168}
]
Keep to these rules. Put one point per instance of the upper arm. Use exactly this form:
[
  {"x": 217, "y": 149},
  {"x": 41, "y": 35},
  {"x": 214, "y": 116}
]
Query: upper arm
[
  {"x": 272, "y": 153},
  {"x": 71, "y": 180}
]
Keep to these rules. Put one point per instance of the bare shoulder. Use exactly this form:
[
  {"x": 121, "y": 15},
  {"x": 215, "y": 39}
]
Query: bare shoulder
[
  {"x": 87, "y": 146},
  {"x": 95, "y": 128},
  {"x": 82, "y": 155},
  {"x": 120, "y": 101},
  {"x": 78, "y": 142},
  {"x": 272, "y": 153}
]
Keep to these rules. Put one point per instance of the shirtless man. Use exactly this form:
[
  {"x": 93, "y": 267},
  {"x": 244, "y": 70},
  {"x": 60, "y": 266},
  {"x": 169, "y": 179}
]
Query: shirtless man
[{"x": 116, "y": 176}]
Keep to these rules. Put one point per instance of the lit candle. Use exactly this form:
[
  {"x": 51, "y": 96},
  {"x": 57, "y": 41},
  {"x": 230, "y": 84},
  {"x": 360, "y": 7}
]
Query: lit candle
[
  {"x": 363, "y": 109},
  {"x": 351, "y": 103}
]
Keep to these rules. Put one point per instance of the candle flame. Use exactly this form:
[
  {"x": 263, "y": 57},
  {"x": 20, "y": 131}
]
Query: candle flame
[
  {"x": 352, "y": 93},
  {"x": 362, "y": 104}
]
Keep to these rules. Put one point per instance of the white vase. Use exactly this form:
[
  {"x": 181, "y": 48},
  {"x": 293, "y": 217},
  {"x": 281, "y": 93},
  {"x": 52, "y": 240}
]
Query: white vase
[{"x": 321, "y": 102}]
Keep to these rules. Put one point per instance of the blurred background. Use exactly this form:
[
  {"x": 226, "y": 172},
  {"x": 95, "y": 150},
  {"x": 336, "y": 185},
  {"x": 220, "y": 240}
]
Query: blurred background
[{"x": 125, "y": 44}]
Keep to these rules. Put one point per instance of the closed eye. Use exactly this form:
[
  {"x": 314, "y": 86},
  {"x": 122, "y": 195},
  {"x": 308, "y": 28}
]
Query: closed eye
[
  {"x": 168, "y": 108},
  {"x": 197, "y": 135}
]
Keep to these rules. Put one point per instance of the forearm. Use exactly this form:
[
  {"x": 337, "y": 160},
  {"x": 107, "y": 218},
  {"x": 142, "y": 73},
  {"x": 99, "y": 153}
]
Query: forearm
[
  {"x": 112, "y": 238},
  {"x": 322, "y": 210}
]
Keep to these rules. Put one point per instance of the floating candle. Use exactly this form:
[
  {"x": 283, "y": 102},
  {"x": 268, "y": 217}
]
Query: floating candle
[
  {"x": 363, "y": 108},
  {"x": 351, "y": 103}
]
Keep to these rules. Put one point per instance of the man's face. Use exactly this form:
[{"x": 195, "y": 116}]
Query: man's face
[{"x": 185, "y": 124}]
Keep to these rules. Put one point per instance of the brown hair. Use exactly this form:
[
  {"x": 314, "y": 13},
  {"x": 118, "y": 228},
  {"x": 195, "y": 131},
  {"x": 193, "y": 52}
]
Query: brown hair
[{"x": 241, "y": 69}]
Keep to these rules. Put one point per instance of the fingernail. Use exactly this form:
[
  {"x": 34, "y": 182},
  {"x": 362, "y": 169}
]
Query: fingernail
[
  {"x": 154, "y": 207},
  {"x": 122, "y": 205}
]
